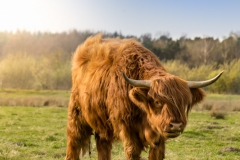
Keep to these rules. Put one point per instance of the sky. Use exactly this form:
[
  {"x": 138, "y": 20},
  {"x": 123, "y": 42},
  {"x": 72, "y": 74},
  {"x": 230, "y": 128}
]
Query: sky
[{"x": 176, "y": 18}]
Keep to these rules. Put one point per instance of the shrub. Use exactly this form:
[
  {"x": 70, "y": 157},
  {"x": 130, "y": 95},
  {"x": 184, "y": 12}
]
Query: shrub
[
  {"x": 218, "y": 112},
  {"x": 236, "y": 108},
  {"x": 207, "y": 106}
]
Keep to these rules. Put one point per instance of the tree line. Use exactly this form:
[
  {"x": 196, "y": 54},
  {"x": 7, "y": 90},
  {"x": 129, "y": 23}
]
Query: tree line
[{"x": 42, "y": 60}]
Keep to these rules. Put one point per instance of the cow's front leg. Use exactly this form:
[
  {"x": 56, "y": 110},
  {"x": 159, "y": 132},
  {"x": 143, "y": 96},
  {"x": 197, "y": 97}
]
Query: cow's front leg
[
  {"x": 104, "y": 148},
  {"x": 132, "y": 149},
  {"x": 157, "y": 152},
  {"x": 132, "y": 144}
]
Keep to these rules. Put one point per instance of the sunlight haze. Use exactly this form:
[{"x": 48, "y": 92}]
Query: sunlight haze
[{"x": 176, "y": 18}]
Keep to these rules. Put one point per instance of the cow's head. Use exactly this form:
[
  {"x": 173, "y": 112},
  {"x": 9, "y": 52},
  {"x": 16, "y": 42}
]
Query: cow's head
[{"x": 167, "y": 101}]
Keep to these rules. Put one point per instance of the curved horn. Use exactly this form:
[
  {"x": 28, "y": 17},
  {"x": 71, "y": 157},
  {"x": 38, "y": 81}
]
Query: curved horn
[
  {"x": 137, "y": 83},
  {"x": 199, "y": 84}
]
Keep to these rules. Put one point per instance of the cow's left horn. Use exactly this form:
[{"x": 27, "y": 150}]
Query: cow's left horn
[
  {"x": 199, "y": 84},
  {"x": 137, "y": 83}
]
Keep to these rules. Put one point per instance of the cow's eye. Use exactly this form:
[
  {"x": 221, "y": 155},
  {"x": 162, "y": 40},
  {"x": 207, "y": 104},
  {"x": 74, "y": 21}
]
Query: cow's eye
[{"x": 158, "y": 104}]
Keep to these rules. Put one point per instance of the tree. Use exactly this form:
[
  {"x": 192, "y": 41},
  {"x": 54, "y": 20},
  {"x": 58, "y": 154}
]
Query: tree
[{"x": 207, "y": 47}]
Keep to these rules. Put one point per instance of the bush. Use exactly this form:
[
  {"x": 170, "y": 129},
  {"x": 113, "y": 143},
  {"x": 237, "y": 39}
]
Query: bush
[
  {"x": 16, "y": 71},
  {"x": 227, "y": 83},
  {"x": 218, "y": 112},
  {"x": 207, "y": 106},
  {"x": 22, "y": 71}
]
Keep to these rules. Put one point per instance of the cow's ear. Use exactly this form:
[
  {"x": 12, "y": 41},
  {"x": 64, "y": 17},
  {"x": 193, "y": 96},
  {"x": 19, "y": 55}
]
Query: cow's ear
[
  {"x": 139, "y": 96},
  {"x": 197, "y": 95}
]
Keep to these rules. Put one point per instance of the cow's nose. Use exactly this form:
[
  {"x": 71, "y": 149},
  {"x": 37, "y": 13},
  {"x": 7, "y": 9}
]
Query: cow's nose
[{"x": 175, "y": 126}]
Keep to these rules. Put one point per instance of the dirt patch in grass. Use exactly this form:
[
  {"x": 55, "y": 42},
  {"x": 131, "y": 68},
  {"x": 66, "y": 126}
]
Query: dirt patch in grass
[
  {"x": 231, "y": 149},
  {"x": 214, "y": 127}
]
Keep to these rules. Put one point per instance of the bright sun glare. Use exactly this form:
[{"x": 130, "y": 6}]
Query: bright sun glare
[{"x": 23, "y": 14}]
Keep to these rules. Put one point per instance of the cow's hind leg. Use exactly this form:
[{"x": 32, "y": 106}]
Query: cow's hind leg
[
  {"x": 78, "y": 134},
  {"x": 104, "y": 148}
]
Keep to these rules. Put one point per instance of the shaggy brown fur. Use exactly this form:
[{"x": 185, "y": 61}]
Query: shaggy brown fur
[{"x": 102, "y": 102}]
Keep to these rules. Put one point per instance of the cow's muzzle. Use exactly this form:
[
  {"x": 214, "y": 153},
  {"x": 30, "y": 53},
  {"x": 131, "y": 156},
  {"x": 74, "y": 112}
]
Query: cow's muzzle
[{"x": 174, "y": 130}]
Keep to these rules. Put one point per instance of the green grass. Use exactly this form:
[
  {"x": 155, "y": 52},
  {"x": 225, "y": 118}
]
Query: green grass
[
  {"x": 32, "y": 133},
  {"x": 224, "y": 102},
  {"x": 60, "y": 98},
  {"x": 222, "y": 97},
  {"x": 14, "y": 97},
  {"x": 15, "y": 93},
  {"x": 28, "y": 133},
  {"x": 37, "y": 132},
  {"x": 205, "y": 138}
]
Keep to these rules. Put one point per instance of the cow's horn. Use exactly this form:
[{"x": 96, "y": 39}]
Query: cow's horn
[
  {"x": 137, "y": 83},
  {"x": 199, "y": 84}
]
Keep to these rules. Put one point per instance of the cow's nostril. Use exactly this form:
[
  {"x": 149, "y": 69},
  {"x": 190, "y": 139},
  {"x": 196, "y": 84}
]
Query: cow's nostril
[{"x": 175, "y": 126}]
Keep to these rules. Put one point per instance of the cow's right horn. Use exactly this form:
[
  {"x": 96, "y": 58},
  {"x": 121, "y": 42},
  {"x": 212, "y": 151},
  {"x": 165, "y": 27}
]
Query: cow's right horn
[
  {"x": 137, "y": 83},
  {"x": 199, "y": 84}
]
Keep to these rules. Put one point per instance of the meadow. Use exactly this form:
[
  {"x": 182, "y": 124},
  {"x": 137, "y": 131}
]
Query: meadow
[{"x": 33, "y": 126}]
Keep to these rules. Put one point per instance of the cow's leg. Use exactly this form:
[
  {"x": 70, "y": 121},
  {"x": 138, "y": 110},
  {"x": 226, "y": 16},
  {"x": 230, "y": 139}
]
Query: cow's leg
[
  {"x": 157, "y": 152},
  {"x": 78, "y": 134},
  {"x": 104, "y": 148},
  {"x": 132, "y": 144},
  {"x": 132, "y": 149}
]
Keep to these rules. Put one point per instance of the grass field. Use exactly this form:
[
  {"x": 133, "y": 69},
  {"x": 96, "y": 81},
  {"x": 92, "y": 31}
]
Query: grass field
[
  {"x": 33, "y": 98},
  {"x": 28, "y": 133}
]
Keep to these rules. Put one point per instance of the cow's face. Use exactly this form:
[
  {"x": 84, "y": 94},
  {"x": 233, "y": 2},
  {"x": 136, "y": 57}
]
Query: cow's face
[
  {"x": 166, "y": 100},
  {"x": 166, "y": 104}
]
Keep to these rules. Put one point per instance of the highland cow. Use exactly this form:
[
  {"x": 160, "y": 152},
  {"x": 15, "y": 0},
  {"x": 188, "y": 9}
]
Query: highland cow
[{"x": 121, "y": 91}]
